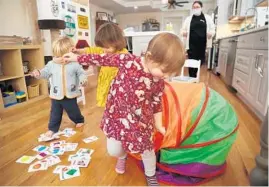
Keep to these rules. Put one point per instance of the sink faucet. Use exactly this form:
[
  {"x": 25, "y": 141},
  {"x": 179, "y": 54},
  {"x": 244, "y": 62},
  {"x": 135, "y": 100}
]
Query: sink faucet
[{"x": 256, "y": 16}]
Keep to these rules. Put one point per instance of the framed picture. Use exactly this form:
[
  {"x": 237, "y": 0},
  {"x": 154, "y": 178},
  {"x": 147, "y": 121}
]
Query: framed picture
[
  {"x": 83, "y": 22},
  {"x": 101, "y": 15}
]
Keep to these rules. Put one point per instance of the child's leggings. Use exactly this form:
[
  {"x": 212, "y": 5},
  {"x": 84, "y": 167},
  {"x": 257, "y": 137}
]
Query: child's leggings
[{"x": 115, "y": 149}]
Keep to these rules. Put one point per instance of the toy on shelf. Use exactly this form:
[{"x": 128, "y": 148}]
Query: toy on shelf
[{"x": 20, "y": 96}]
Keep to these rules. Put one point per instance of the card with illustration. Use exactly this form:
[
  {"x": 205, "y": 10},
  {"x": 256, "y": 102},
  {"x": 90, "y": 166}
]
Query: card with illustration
[
  {"x": 40, "y": 148},
  {"x": 42, "y": 155},
  {"x": 37, "y": 166},
  {"x": 26, "y": 159},
  {"x": 70, "y": 146},
  {"x": 44, "y": 138},
  {"x": 56, "y": 150},
  {"x": 70, "y": 173},
  {"x": 52, "y": 160},
  {"x": 80, "y": 162},
  {"x": 60, "y": 168},
  {"x": 85, "y": 151},
  {"x": 57, "y": 143},
  {"x": 90, "y": 139}
]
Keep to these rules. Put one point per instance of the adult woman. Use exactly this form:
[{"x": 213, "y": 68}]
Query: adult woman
[{"x": 197, "y": 31}]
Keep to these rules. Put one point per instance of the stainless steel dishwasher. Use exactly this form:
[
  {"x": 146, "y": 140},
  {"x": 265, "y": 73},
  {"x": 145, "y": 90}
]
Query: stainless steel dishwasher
[{"x": 228, "y": 78}]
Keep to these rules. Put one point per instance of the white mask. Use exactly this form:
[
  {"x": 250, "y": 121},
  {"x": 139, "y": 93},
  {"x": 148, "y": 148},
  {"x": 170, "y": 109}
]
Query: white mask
[{"x": 197, "y": 11}]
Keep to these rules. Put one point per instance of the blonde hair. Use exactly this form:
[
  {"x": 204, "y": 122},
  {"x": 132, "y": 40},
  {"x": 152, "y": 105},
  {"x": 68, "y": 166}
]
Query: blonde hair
[
  {"x": 110, "y": 35},
  {"x": 167, "y": 50},
  {"x": 62, "y": 46}
]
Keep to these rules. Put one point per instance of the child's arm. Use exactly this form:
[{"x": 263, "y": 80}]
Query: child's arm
[
  {"x": 157, "y": 106},
  {"x": 44, "y": 73},
  {"x": 113, "y": 60}
]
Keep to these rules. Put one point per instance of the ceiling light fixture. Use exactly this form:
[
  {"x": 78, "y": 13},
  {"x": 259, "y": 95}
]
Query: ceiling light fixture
[{"x": 135, "y": 7}]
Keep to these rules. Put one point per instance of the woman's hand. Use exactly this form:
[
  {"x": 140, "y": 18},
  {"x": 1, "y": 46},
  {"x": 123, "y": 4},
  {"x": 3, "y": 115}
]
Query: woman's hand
[
  {"x": 162, "y": 130},
  {"x": 70, "y": 57},
  {"x": 185, "y": 34}
]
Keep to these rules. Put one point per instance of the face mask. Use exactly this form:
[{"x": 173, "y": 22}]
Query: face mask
[{"x": 197, "y": 11}]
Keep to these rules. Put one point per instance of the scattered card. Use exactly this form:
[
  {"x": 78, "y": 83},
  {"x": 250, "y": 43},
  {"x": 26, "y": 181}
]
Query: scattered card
[
  {"x": 85, "y": 151},
  {"x": 80, "y": 162},
  {"x": 52, "y": 160},
  {"x": 57, "y": 143},
  {"x": 56, "y": 150},
  {"x": 42, "y": 155},
  {"x": 26, "y": 159},
  {"x": 70, "y": 146},
  {"x": 90, "y": 139},
  {"x": 70, "y": 173},
  {"x": 44, "y": 138},
  {"x": 60, "y": 168},
  {"x": 41, "y": 148},
  {"x": 37, "y": 166}
]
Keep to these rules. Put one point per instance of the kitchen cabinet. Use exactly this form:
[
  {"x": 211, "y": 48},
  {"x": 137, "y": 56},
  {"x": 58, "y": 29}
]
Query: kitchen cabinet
[
  {"x": 250, "y": 77},
  {"x": 140, "y": 44},
  {"x": 258, "y": 85},
  {"x": 223, "y": 57}
]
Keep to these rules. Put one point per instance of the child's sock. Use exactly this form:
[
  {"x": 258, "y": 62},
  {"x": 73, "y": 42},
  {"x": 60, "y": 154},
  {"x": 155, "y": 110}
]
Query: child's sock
[
  {"x": 152, "y": 181},
  {"x": 120, "y": 166}
]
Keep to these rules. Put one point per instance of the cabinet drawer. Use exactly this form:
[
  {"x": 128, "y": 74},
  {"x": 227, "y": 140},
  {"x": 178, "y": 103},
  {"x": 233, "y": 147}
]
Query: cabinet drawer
[
  {"x": 261, "y": 40},
  {"x": 243, "y": 60},
  {"x": 240, "y": 81},
  {"x": 245, "y": 41}
]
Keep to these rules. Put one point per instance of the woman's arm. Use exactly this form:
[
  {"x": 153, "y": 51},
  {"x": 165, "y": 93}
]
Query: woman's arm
[{"x": 211, "y": 26}]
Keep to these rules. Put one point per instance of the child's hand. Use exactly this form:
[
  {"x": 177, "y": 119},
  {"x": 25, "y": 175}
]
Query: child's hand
[
  {"x": 35, "y": 73},
  {"x": 77, "y": 51},
  {"x": 83, "y": 83},
  {"x": 70, "y": 57}
]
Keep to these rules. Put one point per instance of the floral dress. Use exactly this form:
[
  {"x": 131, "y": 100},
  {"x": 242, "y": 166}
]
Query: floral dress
[{"x": 133, "y": 99}]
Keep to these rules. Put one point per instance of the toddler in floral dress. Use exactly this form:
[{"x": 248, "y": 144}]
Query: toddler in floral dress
[{"x": 133, "y": 106}]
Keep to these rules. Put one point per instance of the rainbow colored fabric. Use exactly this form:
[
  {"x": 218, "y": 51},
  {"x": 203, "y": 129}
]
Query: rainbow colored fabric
[{"x": 201, "y": 127}]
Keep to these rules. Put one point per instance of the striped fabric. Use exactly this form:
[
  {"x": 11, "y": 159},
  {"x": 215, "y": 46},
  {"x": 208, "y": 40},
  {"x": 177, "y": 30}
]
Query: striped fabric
[
  {"x": 120, "y": 166},
  {"x": 152, "y": 181}
]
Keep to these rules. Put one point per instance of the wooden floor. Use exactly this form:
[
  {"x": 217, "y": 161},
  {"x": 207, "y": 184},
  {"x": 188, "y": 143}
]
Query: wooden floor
[{"x": 19, "y": 133}]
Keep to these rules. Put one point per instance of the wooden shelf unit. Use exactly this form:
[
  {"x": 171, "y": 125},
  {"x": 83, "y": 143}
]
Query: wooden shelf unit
[{"x": 11, "y": 59}]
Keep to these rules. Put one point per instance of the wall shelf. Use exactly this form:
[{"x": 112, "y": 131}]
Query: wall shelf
[{"x": 11, "y": 59}]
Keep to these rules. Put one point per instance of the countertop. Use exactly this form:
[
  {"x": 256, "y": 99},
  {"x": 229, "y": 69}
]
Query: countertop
[
  {"x": 149, "y": 33},
  {"x": 245, "y": 32}
]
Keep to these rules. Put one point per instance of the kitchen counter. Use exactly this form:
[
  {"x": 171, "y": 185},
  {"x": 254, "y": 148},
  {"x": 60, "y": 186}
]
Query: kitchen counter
[{"x": 245, "y": 32}]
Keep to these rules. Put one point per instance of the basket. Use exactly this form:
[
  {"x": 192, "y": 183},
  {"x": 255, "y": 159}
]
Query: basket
[{"x": 33, "y": 90}]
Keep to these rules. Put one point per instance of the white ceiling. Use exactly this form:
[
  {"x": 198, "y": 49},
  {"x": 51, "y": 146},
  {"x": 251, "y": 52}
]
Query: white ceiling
[{"x": 127, "y": 6}]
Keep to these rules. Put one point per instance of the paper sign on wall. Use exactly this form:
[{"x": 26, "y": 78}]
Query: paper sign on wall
[{"x": 83, "y": 22}]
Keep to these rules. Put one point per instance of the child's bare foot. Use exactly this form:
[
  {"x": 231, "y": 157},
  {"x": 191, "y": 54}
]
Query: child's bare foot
[
  {"x": 49, "y": 134},
  {"x": 79, "y": 125}
]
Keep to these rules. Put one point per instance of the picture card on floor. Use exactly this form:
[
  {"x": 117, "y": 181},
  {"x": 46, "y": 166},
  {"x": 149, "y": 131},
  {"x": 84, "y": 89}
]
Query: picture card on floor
[
  {"x": 44, "y": 138},
  {"x": 90, "y": 139},
  {"x": 60, "y": 168},
  {"x": 40, "y": 148},
  {"x": 42, "y": 155},
  {"x": 37, "y": 166},
  {"x": 70, "y": 173},
  {"x": 26, "y": 159},
  {"x": 80, "y": 162},
  {"x": 56, "y": 150},
  {"x": 85, "y": 151},
  {"x": 70, "y": 146},
  {"x": 57, "y": 143},
  {"x": 52, "y": 160}
]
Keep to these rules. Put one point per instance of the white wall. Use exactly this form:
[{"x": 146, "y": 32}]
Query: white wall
[
  {"x": 93, "y": 10},
  {"x": 15, "y": 18}
]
